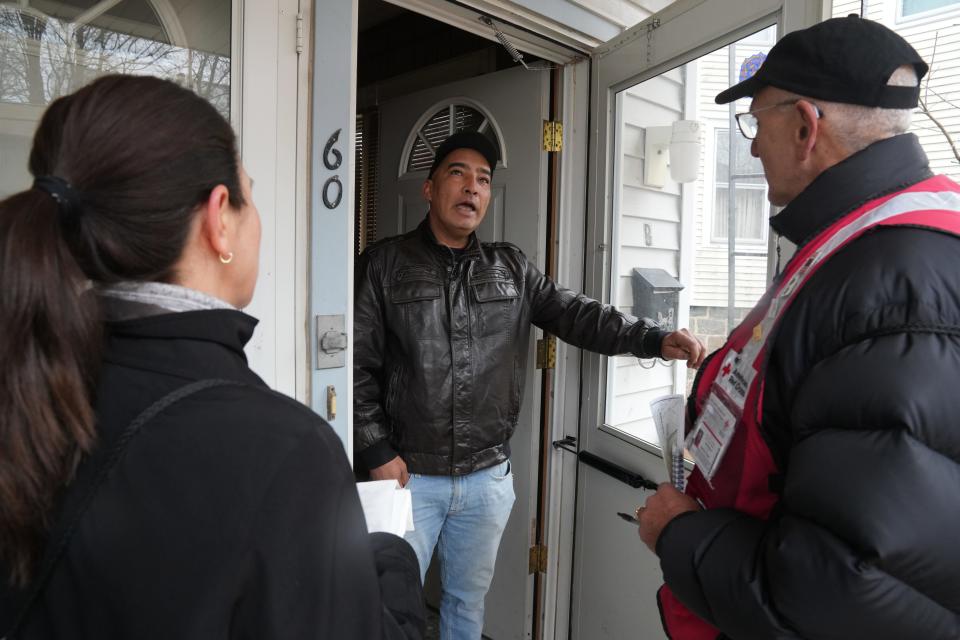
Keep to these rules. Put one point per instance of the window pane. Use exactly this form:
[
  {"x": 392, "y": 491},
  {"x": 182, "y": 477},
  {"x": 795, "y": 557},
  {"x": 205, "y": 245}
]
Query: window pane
[
  {"x": 911, "y": 7},
  {"x": 750, "y": 215},
  {"x": 747, "y": 169},
  {"x": 49, "y": 49},
  {"x": 439, "y": 127},
  {"x": 652, "y": 212}
]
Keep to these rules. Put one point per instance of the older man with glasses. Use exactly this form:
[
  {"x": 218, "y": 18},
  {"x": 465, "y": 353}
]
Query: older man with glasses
[{"x": 826, "y": 431}]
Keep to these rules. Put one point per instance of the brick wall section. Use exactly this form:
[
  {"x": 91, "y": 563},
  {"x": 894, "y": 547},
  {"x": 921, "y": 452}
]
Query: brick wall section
[{"x": 710, "y": 325}]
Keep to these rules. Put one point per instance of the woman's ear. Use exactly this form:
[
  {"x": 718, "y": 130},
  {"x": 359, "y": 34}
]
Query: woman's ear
[{"x": 214, "y": 220}]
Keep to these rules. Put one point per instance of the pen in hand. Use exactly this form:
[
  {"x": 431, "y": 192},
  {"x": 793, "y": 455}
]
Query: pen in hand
[{"x": 628, "y": 517}]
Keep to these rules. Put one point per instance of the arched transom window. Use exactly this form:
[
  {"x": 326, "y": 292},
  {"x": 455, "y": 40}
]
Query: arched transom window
[{"x": 438, "y": 124}]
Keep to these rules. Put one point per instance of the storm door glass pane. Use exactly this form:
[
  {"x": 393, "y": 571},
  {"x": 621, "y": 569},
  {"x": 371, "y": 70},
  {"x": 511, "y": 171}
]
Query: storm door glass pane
[
  {"x": 49, "y": 49},
  {"x": 671, "y": 244}
]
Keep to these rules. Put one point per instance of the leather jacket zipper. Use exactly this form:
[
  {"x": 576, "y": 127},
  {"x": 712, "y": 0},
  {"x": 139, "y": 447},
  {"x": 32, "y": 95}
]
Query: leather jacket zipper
[{"x": 451, "y": 276}]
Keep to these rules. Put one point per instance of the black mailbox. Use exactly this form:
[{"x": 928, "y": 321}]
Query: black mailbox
[{"x": 656, "y": 295}]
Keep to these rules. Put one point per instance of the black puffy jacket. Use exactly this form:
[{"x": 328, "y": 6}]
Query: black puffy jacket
[
  {"x": 441, "y": 348},
  {"x": 861, "y": 411}
]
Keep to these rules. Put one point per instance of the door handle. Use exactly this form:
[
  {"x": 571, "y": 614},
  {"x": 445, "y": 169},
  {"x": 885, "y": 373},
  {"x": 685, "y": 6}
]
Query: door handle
[
  {"x": 333, "y": 342},
  {"x": 603, "y": 465}
]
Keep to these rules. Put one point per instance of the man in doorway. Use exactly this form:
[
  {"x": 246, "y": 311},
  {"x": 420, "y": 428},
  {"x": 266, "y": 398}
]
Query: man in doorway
[
  {"x": 441, "y": 330},
  {"x": 832, "y": 508}
]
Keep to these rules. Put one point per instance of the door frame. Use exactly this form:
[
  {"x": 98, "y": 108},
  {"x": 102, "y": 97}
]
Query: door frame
[
  {"x": 532, "y": 36},
  {"x": 571, "y": 220},
  {"x": 333, "y": 110},
  {"x": 565, "y": 411},
  {"x": 265, "y": 46}
]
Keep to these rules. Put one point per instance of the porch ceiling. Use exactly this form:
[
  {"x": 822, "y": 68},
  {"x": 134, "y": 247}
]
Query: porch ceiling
[{"x": 582, "y": 25}]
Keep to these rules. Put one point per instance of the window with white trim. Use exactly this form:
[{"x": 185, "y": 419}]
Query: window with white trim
[
  {"x": 750, "y": 194},
  {"x": 916, "y": 8}
]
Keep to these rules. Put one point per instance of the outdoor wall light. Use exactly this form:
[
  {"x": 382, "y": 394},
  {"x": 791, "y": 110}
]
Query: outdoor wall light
[{"x": 676, "y": 147}]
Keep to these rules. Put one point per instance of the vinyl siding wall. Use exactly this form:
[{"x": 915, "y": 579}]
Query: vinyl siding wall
[{"x": 936, "y": 36}]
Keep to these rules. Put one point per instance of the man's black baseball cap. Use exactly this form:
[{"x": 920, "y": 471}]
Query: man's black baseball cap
[
  {"x": 467, "y": 140},
  {"x": 847, "y": 60}
]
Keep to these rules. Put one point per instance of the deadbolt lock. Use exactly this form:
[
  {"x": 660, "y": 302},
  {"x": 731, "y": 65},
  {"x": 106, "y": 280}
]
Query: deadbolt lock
[{"x": 331, "y": 342}]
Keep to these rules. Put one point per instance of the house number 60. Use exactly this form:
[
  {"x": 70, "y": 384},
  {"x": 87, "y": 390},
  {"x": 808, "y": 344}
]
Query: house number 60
[{"x": 332, "y": 158}]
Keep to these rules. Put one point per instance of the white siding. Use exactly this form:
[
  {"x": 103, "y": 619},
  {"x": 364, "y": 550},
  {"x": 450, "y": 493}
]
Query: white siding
[
  {"x": 647, "y": 235},
  {"x": 936, "y": 37}
]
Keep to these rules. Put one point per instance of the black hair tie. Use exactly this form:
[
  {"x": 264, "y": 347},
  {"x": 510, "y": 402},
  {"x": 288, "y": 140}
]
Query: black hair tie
[{"x": 61, "y": 191}]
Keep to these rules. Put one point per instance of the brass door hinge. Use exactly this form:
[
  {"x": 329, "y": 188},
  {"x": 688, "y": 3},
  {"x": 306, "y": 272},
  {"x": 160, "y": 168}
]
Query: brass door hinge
[
  {"x": 552, "y": 136},
  {"x": 547, "y": 352},
  {"x": 538, "y": 559}
]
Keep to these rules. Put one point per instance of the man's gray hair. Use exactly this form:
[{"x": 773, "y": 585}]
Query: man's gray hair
[{"x": 856, "y": 127}]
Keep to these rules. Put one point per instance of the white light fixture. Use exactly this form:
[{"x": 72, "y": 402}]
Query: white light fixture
[{"x": 676, "y": 147}]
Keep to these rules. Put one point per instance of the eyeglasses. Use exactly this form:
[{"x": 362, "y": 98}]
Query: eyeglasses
[{"x": 748, "y": 123}]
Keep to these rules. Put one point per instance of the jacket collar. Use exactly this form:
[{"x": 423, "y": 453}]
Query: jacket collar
[
  {"x": 473, "y": 250},
  {"x": 226, "y": 327},
  {"x": 884, "y": 167}
]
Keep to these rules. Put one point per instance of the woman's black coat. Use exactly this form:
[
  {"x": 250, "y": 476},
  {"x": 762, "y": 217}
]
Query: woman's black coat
[{"x": 232, "y": 514}]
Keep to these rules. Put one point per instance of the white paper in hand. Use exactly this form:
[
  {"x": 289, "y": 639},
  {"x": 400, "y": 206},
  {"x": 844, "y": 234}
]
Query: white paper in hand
[
  {"x": 668, "y": 417},
  {"x": 386, "y": 506}
]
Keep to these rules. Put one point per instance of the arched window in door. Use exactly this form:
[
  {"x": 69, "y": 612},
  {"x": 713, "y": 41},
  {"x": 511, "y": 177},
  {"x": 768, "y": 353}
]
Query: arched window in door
[{"x": 440, "y": 122}]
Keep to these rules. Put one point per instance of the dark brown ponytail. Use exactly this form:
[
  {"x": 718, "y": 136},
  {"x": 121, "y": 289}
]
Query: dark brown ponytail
[{"x": 138, "y": 155}]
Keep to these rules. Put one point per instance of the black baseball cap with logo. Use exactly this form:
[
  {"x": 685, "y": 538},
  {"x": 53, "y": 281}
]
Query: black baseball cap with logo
[
  {"x": 467, "y": 140},
  {"x": 847, "y": 60}
]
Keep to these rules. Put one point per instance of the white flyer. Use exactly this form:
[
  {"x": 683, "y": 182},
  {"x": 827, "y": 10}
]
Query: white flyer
[
  {"x": 386, "y": 506},
  {"x": 667, "y": 412}
]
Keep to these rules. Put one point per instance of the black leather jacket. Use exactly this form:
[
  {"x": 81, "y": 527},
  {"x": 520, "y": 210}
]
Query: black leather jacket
[{"x": 441, "y": 347}]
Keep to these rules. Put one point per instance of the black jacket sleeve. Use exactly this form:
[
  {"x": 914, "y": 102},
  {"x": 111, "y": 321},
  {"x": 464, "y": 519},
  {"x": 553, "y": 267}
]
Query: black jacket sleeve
[
  {"x": 371, "y": 433},
  {"x": 857, "y": 547},
  {"x": 312, "y": 570},
  {"x": 586, "y": 323},
  {"x": 398, "y": 569}
]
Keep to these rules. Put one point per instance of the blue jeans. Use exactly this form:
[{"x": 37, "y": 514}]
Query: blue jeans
[{"x": 466, "y": 516}]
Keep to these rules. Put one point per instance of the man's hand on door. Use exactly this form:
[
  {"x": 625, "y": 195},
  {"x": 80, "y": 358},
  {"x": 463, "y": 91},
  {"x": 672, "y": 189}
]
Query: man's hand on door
[{"x": 683, "y": 345}]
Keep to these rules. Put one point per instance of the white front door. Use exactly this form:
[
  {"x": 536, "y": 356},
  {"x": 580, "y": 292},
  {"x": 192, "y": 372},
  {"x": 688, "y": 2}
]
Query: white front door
[
  {"x": 239, "y": 55},
  {"x": 511, "y": 104},
  {"x": 666, "y": 69}
]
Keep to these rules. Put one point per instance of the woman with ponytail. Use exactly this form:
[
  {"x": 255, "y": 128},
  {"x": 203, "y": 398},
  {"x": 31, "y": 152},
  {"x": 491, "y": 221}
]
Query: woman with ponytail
[{"x": 151, "y": 486}]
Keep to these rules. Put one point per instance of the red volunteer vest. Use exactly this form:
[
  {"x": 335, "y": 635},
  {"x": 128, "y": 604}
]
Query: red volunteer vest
[{"x": 741, "y": 478}]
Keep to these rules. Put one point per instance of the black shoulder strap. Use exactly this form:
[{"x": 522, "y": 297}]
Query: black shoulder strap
[{"x": 70, "y": 519}]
